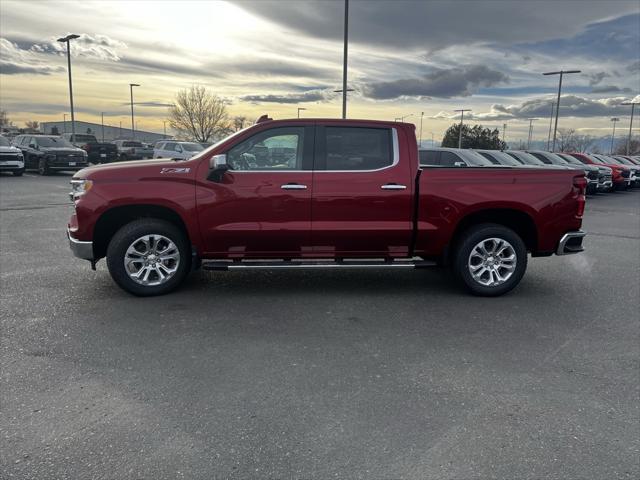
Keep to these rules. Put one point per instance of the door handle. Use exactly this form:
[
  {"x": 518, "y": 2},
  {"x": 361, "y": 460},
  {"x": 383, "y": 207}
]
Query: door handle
[
  {"x": 393, "y": 186},
  {"x": 293, "y": 186}
]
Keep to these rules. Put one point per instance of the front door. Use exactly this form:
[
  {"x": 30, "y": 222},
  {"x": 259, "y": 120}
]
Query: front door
[
  {"x": 362, "y": 193},
  {"x": 261, "y": 207}
]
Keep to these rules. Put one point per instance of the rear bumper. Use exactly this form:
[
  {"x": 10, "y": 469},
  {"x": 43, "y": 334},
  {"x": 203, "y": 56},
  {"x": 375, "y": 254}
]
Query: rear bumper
[
  {"x": 571, "y": 242},
  {"x": 80, "y": 248}
]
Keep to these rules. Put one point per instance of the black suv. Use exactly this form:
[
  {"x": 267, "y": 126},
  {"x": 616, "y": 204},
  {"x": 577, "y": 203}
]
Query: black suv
[{"x": 49, "y": 153}]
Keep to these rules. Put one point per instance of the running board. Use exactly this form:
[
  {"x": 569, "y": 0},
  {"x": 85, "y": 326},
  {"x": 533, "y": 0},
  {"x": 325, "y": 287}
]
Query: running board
[{"x": 300, "y": 264}]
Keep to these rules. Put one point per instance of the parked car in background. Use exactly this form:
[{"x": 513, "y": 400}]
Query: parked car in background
[
  {"x": 132, "y": 150},
  {"x": 11, "y": 158},
  {"x": 591, "y": 172},
  {"x": 635, "y": 169},
  {"x": 50, "y": 153},
  {"x": 604, "y": 182},
  {"x": 619, "y": 173},
  {"x": 452, "y": 157},
  {"x": 97, "y": 152},
  {"x": 176, "y": 149},
  {"x": 528, "y": 159}
]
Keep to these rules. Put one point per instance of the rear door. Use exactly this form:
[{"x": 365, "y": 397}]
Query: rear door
[
  {"x": 262, "y": 206},
  {"x": 362, "y": 192}
]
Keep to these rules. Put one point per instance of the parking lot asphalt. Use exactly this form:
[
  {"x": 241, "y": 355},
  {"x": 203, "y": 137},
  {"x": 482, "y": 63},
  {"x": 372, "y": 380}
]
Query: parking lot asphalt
[{"x": 316, "y": 374}]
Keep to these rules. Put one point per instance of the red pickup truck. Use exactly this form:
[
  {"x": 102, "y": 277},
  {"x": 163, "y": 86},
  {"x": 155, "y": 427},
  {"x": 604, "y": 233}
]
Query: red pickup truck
[{"x": 321, "y": 193}]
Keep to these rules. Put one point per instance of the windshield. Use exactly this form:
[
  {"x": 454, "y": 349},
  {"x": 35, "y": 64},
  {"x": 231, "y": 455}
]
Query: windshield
[
  {"x": 85, "y": 138},
  {"x": 624, "y": 161},
  {"x": 526, "y": 158},
  {"x": 503, "y": 158},
  {"x": 474, "y": 158},
  {"x": 4, "y": 142},
  {"x": 551, "y": 158},
  {"x": 570, "y": 159},
  {"x": 54, "y": 142},
  {"x": 192, "y": 147}
]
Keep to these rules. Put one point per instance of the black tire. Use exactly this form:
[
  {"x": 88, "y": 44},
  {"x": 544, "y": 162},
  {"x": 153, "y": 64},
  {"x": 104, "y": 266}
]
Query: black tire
[
  {"x": 123, "y": 157},
  {"x": 43, "y": 167},
  {"x": 124, "y": 237},
  {"x": 18, "y": 173},
  {"x": 472, "y": 237}
]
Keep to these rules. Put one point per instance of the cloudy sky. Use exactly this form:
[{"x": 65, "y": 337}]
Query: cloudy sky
[{"x": 405, "y": 57}]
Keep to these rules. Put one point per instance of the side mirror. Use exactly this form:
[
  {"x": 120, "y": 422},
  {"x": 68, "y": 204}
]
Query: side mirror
[
  {"x": 217, "y": 167},
  {"x": 459, "y": 164}
]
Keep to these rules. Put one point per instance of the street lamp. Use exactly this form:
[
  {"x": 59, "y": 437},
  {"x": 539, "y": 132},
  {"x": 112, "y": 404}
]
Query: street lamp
[
  {"x": 64, "y": 122},
  {"x": 102, "y": 115},
  {"x": 133, "y": 129},
  {"x": 300, "y": 108},
  {"x": 67, "y": 40},
  {"x": 561, "y": 73},
  {"x": 553, "y": 104},
  {"x": 462, "y": 110},
  {"x": 613, "y": 135},
  {"x": 633, "y": 104},
  {"x": 421, "y": 115},
  {"x": 344, "y": 59},
  {"x": 531, "y": 120}
]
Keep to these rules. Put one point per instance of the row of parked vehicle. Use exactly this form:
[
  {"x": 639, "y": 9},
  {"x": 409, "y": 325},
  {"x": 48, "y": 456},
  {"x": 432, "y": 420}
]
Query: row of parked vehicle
[
  {"x": 604, "y": 173},
  {"x": 50, "y": 153}
]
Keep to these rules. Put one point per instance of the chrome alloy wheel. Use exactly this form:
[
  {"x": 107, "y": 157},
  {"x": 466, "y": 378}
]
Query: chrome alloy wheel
[
  {"x": 492, "y": 262},
  {"x": 152, "y": 260}
]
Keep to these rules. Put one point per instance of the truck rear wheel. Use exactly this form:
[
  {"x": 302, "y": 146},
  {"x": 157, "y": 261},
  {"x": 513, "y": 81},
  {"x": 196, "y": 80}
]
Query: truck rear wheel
[
  {"x": 149, "y": 257},
  {"x": 490, "y": 259},
  {"x": 43, "y": 167}
]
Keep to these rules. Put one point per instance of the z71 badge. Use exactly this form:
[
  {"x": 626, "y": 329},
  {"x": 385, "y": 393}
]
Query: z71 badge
[{"x": 175, "y": 170}]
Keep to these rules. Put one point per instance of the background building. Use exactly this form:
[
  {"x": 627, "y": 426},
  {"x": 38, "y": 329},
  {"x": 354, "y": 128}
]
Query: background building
[{"x": 110, "y": 132}]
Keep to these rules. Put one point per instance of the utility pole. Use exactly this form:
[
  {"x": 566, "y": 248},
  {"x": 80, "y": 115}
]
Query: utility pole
[
  {"x": 531, "y": 120},
  {"x": 67, "y": 40},
  {"x": 64, "y": 122},
  {"x": 553, "y": 104},
  {"x": 561, "y": 73},
  {"x": 133, "y": 127},
  {"x": 102, "y": 115},
  {"x": 421, "y": 115},
  {"x": 462, "y": 110},
  {"x": 633, "y": 104},
  {"x": 504, "y": 132},
  {"x": 344, "y": 60},
  {"x": 301, "y": 108},
  {"x": 433, "y": 143},
  {"x": 613, "y": 135}
]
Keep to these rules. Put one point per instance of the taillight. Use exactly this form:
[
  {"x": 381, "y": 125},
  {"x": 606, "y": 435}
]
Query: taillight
[{"x": 580, "y": 188}]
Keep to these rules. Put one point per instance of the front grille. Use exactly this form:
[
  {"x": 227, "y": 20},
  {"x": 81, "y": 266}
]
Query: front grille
[
  {"x": 8, "y": 157},
  {"x": 593, "y": 175},
  {"x": 65, "y": 158},
  {"x": 625, "y": 174}
]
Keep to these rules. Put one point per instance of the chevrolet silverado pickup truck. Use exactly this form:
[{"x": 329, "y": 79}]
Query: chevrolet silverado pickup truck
[
  {"x": 321, "y": 194},
  {"x": 96, "y": 152}
]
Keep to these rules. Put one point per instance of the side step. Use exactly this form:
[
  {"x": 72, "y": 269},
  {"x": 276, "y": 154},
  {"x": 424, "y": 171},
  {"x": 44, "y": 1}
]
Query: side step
[{"x": 344, "y": 263}]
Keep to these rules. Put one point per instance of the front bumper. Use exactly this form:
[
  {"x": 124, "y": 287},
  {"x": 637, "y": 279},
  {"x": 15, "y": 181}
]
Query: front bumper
[
  {"x": 11, "y": 165},
  {"x": 571, "y": 242},
  {"x": 605, "y": 186},
  {"x": 80, "y": 248}
]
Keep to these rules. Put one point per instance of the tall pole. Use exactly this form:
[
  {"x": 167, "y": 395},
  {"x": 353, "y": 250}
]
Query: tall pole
[
  {"x": 120, "y": 130},
  {"x": 344, "y": 60},
  {"x": 67, "y": 40},
  {"x": 421, "y": 115},
  {"x": 613, "y": 135},
  {"x": 102, "y": 114},
  {"x": 133, "y": 127},
  {"x": 462, "y": 110},
  {"x": 561, "y": 73},
  {"x": 531, "y": 120},
  {"x": 300, "y": 108},
  {"x": 64, "y": 122},
  {"x": 633, "y": 104},
  {"x": 553, "y": 104},
  {"x": 504, "y": 132}
]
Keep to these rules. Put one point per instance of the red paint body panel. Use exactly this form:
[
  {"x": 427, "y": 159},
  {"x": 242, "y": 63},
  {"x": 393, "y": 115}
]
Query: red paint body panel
[
  {"x": 247, "y": 214},
  {"x": 616, "y": 168}
]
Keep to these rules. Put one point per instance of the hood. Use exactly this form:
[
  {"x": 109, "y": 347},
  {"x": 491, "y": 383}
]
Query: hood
[
  {"x": 10, "y": 150},
  {"x": 134, "y": 169},
  {"x": 61, "y": 149}
]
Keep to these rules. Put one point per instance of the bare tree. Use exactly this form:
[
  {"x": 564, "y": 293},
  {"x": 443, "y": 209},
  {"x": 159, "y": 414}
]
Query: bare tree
[
  {"x": 32, "y": 125},
  {"x": 621, "y": 147},
  {"x": 198, "y": 114},
  {"x": 238, "y": 123},
  {"x": 566, "y": 139},
  {"x": 582, "y": 143}
]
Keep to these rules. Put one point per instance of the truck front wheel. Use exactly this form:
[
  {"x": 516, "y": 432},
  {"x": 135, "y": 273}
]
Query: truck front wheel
[
  {"x": 490, "y": 259},
  {"x": 149, "y": 257}
]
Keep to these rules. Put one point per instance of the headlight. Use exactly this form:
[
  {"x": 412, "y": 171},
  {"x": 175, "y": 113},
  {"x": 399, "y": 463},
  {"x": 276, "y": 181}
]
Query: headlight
[
  {"x": 79, "y": 187},
  {"x": 84, "y": 153}
]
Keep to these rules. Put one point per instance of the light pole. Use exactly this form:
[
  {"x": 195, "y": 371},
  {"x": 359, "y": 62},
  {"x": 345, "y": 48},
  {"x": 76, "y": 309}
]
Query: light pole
[
  {"x": 553, "y": 104},
  {"x": 67, "y": 40},
  {"x": 613, "y": 135},
  {"x": 300, "y": 108},
  {"x": 421, "y": 115},
  {"x": 64, "y": 122},
  {"x": 344, "y": 59},
  {"x": 102, "y": 115},
  {"x": 531, "y": 120},
  {"x": 133, "y": 128},
  {"x": 504, "y": 132},
  {"x": 164, "y": 124},
  {"x": 462, "y": 110},
  {"x": 561, "y": 73},
  {"x": 633, "y": 104}
]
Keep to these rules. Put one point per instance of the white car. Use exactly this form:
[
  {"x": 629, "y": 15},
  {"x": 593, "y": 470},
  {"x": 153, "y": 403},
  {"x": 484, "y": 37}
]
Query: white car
[
  {"x": 175, "y": 149},
  {"x": 11, "y": 159}
]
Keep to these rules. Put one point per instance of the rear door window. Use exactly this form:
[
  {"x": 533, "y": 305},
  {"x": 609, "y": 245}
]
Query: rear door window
[{"x": 355, "y": 148}]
